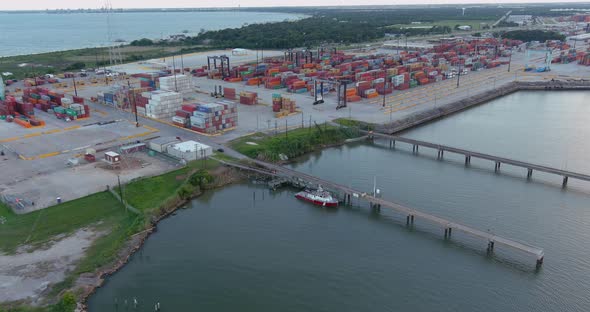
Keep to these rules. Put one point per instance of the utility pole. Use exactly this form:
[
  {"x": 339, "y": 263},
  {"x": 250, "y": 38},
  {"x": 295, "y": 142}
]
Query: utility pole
[
  {"x": 182, "y": 63},
  {"x": 174, "y": 69},
  {"x": 120, "y": 188},
  {"x": 134, "y": 104},
  {"x": 384, "y": 85},
  {"x": 302, "y": 122},
  {"x": 75, "y": 88},
  {"x": 509, "y": 60},
  {"x": 96, "y": 56},
  {"x": 286, "y": 132},
  {"x": 406, "y": 35},
  {"x": 459, "y": 75}
]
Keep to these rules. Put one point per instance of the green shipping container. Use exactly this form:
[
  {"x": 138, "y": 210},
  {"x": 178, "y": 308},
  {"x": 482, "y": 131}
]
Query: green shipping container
[{"x": 59, "y": 109}]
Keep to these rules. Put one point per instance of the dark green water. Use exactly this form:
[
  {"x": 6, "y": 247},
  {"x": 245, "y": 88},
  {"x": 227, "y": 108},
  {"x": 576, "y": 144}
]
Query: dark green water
[{"x": 244, "y": 248}]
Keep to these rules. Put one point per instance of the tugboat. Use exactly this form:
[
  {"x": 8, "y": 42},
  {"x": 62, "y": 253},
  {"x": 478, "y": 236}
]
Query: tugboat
[{"x": 318, "y": 197}]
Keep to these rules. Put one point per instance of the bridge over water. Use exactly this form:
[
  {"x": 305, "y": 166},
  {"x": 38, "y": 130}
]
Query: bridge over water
[
  {"x": 498, "y": 161},
  {"x": 412, "y": 215}
]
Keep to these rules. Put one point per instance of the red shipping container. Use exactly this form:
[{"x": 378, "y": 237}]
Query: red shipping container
[
  {"x": 182, "y": 113},
  {"x": 189, "y": 108}
]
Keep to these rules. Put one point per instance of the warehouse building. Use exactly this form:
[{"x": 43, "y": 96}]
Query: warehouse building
[{"x": 190, "y": 150}]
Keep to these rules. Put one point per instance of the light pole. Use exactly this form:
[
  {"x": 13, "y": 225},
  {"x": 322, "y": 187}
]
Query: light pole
[
  {"x": 384, "y": 85},
  {"x": 459, "y": 75},
  {"x": 75, "y": 88}
]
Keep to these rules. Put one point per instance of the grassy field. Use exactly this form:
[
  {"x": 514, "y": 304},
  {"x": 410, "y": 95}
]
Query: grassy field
[
  {"x": 292, "y": 144},
  {"x": 56, "y": 62},
  {"x": 100, "y": 210},
  {"x": 149, "y": 193},
  {"x": 40, "y": 227}
]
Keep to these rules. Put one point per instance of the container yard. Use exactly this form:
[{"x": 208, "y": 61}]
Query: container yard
[{"x": 372, "y": 75}]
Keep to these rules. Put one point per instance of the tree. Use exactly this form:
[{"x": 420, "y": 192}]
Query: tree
[
  {"x": 142, "y": 42},
  {"x": 66, "y": 304}
]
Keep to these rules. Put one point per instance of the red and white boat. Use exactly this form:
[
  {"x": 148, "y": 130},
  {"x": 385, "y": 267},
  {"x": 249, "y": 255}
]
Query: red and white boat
[{"x": 318, "y": 197}]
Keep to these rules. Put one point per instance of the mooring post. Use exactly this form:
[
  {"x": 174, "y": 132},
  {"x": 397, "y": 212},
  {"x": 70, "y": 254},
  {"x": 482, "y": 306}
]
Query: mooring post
[
  {"x": 412, "y": 219},
  {"x": 564, "y": 184},
  {"x": 529, "y": 173},
  {"x": 446, "y": 233},
  {"x": 407, "y": 220},
  {"x": 490, "y": 247},
  {"x": 450, "y": 232}
]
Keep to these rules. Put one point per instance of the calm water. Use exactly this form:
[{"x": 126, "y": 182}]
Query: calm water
[
  {"x": 245, "y": 248},
  {"x": 36, "y": 33}
]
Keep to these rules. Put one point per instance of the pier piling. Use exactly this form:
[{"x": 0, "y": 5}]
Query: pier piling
[
  {"x": 490, "y": 247},
  {"x": 564, "y": 183},
  {"x": 529, "y": 173}
]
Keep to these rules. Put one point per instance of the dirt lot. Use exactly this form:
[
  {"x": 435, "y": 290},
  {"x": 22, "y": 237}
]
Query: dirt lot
[
  {"x": 71, "y": 183},
  {"x": 25, "y": 275}
]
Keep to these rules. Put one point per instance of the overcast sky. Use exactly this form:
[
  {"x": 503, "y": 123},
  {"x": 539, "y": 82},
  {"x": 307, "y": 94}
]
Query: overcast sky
[{"x": 75, "y": 4}]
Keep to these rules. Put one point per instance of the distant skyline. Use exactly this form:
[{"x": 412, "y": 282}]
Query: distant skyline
[{"x": 94, "y": 4}]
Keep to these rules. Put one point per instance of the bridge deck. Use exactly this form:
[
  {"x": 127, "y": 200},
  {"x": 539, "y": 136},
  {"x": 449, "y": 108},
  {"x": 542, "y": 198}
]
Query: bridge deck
[
  {"x": 503, "y": 160},
  {"x": 536, "y": 251}
]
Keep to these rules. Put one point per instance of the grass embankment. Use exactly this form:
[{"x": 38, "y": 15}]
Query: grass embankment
[
  {"x": 104, "y": 213},
  {"x": 32, "y": 65},
  {"x": 39, "y": 228},
  {"x": 292, "y": 144},
  {"x": 352, "y": 123},
  {"x": 149, "y": 194}
]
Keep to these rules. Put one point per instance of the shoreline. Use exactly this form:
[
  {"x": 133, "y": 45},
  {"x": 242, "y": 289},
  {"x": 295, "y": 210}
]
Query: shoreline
[
  {"x": 89, "y": 283},
  {"x": 105, "y": 45},
  {"x": 425, "y": 117}
]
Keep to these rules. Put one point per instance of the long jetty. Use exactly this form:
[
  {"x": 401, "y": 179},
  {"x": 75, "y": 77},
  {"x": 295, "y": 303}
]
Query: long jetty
[
  {"x": 498, "y": 161},
  {"x": 412, "y": 215}
]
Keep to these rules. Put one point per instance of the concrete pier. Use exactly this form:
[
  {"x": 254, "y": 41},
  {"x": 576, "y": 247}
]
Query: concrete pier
[
  {"x": 410, "y": 213},
  {"x": 496, "y": 159}
]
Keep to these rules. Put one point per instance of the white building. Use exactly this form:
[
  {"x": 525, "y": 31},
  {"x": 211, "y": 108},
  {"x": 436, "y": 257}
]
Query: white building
[
  {"x": 190, "y": 150},
  {"x": 239, "y": 52},
  {"x": 520, "y": 19},
  {"x": 161, "y": 144}
]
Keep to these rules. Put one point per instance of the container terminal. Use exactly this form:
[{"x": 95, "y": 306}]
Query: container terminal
[{"x": 63, "y": 125}]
